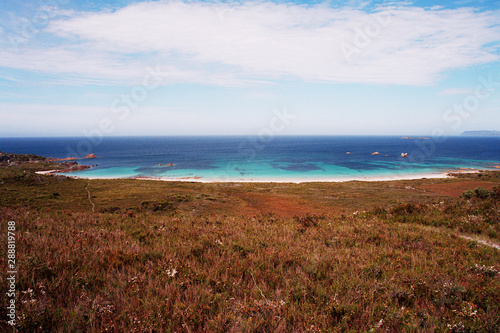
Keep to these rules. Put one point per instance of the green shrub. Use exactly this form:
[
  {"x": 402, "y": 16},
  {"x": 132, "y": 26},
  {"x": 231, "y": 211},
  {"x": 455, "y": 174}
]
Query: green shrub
[
  {"x": 482, "y": 193},
  {"x": 478, "y": 192},
  {"x": 495, "y": 192},
  {"x": 405, "y": 208},
  {"x": 112, "y": 209},
  {"x": 155, "y": 206}
]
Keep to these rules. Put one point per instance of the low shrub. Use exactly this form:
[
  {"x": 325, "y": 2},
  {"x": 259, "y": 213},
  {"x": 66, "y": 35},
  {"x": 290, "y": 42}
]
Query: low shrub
[{"x": 478, "y": 192}]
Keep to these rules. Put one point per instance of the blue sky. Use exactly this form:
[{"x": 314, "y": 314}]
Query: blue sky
[{"x": 75, "y": 68}]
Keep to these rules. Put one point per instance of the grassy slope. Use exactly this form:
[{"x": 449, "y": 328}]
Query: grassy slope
[{"x": 356, "y": 256}]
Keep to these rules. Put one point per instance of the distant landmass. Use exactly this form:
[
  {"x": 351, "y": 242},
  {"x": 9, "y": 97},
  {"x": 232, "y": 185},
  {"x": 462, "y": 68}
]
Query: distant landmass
[{"x": 481, "y": 133}]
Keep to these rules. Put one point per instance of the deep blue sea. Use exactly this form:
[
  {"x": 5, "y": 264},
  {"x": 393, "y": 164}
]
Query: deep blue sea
[{"x": 280, "y": 158}]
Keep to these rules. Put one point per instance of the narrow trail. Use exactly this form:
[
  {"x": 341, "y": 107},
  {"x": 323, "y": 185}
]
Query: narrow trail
[
  {"x": 90, "y": 197},
  {"x": 480, "y": 241},
  {"x": 476, "y": 239}
]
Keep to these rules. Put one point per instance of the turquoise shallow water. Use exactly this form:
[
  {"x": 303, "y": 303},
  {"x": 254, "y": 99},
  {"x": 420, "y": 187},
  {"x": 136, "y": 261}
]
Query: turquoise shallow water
[{"x": 266, "y": 159}]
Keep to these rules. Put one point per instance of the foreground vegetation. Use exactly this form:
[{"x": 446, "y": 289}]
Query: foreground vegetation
[{"x": 143, "y": 256}]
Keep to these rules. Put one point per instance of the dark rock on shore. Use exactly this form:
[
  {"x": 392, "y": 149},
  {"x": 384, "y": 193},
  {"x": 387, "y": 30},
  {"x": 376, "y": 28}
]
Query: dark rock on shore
[{"x": 73, "y": 166}]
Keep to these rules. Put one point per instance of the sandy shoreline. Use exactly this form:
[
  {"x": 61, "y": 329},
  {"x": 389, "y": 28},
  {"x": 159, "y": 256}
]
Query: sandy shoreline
[
  {"x": 47, "y": 172},
  {"x": 299, "y": 181},
  {"x": 199, "y": 179},
  {"x": 285, "y": 180}
]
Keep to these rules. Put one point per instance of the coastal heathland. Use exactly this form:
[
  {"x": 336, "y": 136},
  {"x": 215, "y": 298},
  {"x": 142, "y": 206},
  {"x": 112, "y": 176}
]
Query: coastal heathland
[{"x": 150, "y": 256}]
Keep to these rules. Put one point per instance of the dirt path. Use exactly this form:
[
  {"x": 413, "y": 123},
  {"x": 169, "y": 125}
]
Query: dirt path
[
  {"x": 480, "y": 241},
  {"x": 90, "y": 197},
  {"x": 485, "y": 242}
]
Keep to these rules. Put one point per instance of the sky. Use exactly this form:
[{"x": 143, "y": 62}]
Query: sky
[{"x": 114, "y": 68}]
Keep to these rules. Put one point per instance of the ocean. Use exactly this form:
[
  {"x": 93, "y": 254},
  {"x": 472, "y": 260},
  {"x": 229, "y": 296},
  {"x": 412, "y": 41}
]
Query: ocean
[{"x": 278, "y": 158}]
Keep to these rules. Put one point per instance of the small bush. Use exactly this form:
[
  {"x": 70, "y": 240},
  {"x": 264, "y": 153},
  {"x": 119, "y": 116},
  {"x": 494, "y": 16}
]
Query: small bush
[
  {"x": 182, "y": 198},
  {"x": 379, "y": 211},
  {"x": 478, "y": 192},
  {"x": 403, "y": 297},
  {"x": 482, "y": 193},
  {"x": 310, "y": 220},
  {"x": 155, "y": 206},
  {"x": 112, "y": 209},
  {"x": 468, "y": 194},
  {"x": 495, "y": 192},
  {"x": 405, "y": 208}
]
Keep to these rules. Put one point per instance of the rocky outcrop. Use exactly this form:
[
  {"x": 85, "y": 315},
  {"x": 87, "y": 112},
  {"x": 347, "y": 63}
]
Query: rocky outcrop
[
  {"x": 74, "y": 166},
  {"x": 63, "y": 165},
  {"x": 52, "y": 159}
]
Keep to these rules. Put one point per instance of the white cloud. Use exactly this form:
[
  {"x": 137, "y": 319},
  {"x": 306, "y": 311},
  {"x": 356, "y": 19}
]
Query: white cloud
[
  {"x": 457, "y": 91},
  {"x": 236, "y": 44}
]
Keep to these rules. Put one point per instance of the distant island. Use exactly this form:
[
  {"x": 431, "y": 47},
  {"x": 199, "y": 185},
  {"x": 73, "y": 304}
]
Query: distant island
[
  {"x": 415, "y": 138},
  {"x": 481, "y": 133}
]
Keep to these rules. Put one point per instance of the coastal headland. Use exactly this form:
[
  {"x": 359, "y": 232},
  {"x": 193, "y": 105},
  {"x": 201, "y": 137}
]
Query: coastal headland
[{"x": 135, "y": 255}]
